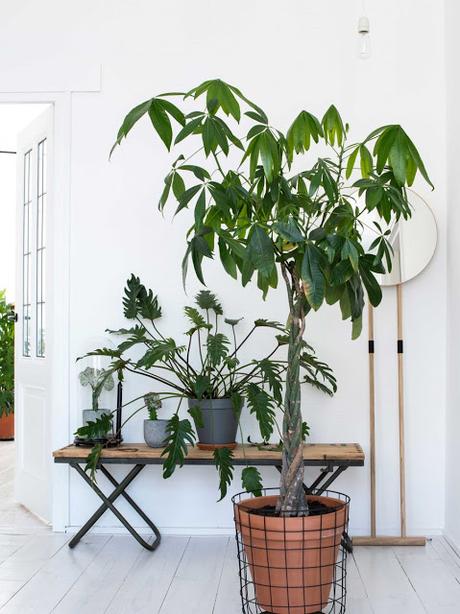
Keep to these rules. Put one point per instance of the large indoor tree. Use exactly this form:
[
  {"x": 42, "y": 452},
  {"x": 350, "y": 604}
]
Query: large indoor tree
[{"x": 277, "y": 213}]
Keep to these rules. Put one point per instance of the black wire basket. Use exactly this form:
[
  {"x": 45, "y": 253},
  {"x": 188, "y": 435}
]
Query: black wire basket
[{"x": 292, "y": 565}]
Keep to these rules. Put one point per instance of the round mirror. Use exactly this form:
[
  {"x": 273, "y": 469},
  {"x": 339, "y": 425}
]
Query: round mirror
[{"x": 413, "y": 241}]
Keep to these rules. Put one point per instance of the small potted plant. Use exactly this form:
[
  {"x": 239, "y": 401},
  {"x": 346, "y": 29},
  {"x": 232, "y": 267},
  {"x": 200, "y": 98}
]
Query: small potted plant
[
  {"x": 155, "y": 429},
  {"x": 98, "y": 380},
  {"x": 277, "y": 215},
  {"x": 6, "y": 368}
]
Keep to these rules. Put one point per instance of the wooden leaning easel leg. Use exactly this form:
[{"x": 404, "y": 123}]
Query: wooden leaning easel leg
[{"x": 373, "y": 539}]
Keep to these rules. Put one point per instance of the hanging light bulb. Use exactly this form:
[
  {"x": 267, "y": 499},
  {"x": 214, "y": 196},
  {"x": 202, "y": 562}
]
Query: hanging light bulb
[{"x": 364, "y": 42}]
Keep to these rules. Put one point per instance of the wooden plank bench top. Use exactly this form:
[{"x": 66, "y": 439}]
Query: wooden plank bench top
[{"x": 336, "y": 454}]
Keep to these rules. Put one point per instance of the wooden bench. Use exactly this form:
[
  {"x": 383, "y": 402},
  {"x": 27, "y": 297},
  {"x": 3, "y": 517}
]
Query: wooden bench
[{"x": 332, "y": 459}]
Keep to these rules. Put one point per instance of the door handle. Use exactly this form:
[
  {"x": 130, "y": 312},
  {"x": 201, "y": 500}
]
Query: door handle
[{"x": 13, "y": 316}]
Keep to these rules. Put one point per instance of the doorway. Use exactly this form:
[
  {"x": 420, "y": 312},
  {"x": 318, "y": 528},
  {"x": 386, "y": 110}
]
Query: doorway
[{"x": 25, "y": 131}]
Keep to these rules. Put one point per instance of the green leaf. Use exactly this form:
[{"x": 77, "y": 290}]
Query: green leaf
[
  {"x": 269, "y": 324},
  {"x": 170, "y": 108},
  {"x": 227, "y": 259},
  {"x": 130, "y": 302},
  {"x": 333, "y": 127},
  {"x": 192, "y": 127},
  {"x": 289, "y": 231},
  {"x": 312, "y": 276},
  {"x": 180, "y": 435},
  {"x": 199, "y": 172},
  {"x": 260, "y": 251},
  {"x": 178, "y": 185},
  {"x": 217, "y": 348},
  {"x": 130, "y": 120},
  {"x": 200, "y": 209},
  {"x": 357, "y": 326},
  {"x": 398, "y": 156},
  {"x": 341, "y": 273},
  {"x": 318, "y": 373},
  {"x": 161, "y": 122},
  {"x": 223, "y": 460},
  {"x": 186, "y": 197},
  {"x": 92, "y": 461},
  {"x": 261, "y": 405},
  {"x": 351, "y": 162},
  {"x": 373, "y": 197},
  {"x": 96, "y": 429},
  {"x": 271, "y": 376},
  {"x": 367, "y": 163},
  {"x": 374, "y": 291},
  {"x": 160, "y": 350},
  {"x": 201, "y": 385},
  {"x": 237, "y": 404},
  {"x": 196, "y": 319},
  {"x": 197, "y": 416},
  {"x": 350, "y": 252},
  {"x": 207, "y": 300},
  {"x": 305, "y": 431},
  {"x": 166, "y": 190},
  {"x": 251, "y": 481},
  {"x": 304, "y": 128}
]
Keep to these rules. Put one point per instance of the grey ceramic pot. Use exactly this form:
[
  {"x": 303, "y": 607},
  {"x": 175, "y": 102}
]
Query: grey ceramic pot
[
  {"x": 219, "y": 421},
  {"x": 155, "y": 433}
]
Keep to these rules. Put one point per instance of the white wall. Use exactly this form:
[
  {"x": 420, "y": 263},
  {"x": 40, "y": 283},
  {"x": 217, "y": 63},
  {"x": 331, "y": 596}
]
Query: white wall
[
  {"x": 453, "y": 277},
  {"x": 285, "y": 56}
]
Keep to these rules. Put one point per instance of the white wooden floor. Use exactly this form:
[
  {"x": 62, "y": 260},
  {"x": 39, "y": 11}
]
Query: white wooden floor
[{"x": 194, "y": 575}]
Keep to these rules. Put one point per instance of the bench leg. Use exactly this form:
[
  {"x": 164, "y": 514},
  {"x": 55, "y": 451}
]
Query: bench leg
[
  {"x": 108, "y": 504},
  {"x": 322, "y": 482}
]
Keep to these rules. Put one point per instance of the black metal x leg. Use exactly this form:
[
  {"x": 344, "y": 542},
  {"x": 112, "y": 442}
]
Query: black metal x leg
[
  {"x": 322, "y": 482},
  {"x": 108, "y": 504}
]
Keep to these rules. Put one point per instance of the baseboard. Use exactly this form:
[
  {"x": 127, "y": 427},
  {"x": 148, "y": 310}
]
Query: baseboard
[
  {"x": 117, "y": 530},
  {"x": 163, "y": 530},
  {"x": 452, "y": 543}
]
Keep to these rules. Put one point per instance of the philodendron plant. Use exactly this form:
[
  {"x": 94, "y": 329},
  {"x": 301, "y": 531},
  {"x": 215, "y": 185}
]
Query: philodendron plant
[
  {"x": 98, "y": 380},
  {"x": 279, "y": 213},
  {"x": 208, "y": 366}
]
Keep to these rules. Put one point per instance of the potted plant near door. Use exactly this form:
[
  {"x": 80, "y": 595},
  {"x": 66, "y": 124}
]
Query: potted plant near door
[
  {"x": 269, "y": 217},
  {"x": 6, "y": 368}
]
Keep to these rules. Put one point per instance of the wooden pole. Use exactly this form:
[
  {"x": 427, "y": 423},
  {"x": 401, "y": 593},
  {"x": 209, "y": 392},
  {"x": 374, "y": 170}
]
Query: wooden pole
[
  {"x": 402, "y": 456},
  {"x": 374, "y": 539},
  {"x": 372, "y": 419}
]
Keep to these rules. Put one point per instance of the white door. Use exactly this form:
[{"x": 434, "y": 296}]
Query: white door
[{"x": 34, "y": 308}]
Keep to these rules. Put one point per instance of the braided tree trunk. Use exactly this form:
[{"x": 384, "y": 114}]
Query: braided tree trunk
[{"x": 292, "y": 500}]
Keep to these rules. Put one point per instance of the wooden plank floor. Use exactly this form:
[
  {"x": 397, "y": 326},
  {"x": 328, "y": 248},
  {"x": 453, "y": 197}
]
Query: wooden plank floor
[{"x": 112, "y": 574}]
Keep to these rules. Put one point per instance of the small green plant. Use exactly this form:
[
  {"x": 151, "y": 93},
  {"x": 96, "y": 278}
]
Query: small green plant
[
  {"x": 6, "y": 356},
  {"x": 212, "y": 371},
  {"x": 153, "y": 402},
  {"x": 98, "y": 380}
]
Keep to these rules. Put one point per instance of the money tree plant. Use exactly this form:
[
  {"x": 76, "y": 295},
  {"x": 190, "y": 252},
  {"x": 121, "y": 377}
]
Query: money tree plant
[{"x": 273, "y": 211}]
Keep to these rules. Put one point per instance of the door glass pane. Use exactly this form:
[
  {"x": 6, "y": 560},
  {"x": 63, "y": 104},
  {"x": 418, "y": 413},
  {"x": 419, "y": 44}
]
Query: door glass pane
[
  {"x": 26, "y": 258},
  {"x": 40, "y": 249}
]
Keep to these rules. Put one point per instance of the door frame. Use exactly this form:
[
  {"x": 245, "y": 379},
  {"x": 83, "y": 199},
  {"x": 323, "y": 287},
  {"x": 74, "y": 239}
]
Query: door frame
[{"x": 60, "y": 370}]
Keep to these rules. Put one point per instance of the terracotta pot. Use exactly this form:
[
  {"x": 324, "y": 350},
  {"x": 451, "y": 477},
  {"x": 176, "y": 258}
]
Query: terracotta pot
[
  {"x": 7, "y": 426},
  {"x": 292, "y": 560}
]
